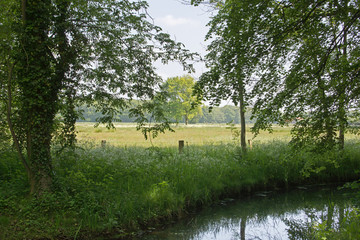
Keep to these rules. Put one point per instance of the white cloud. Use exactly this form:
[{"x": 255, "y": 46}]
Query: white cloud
[{"x": 171, "y": 21}]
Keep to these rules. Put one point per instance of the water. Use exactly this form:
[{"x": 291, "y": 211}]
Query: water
[{"x": 264, "y": 215}]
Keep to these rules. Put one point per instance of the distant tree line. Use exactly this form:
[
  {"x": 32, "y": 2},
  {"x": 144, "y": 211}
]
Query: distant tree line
[{"x": 223, "y": 114}]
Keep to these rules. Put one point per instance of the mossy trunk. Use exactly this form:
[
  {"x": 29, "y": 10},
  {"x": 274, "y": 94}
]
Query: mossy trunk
[
  {"x": 39, "y": 157},
  {"x": 38, "y": 91}
]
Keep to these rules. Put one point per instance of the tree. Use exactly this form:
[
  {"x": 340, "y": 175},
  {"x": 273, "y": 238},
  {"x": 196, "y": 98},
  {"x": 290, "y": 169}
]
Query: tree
[
  {"x": 6, "y": 65},
  {"x": 212, "y": 3},
  {"x": 231, "y": 59},
  {"x": 310, "y": 73},
  {"x": 61, "y": 54},
  {"x": 307, "y": 65},
  {"x": 181, "y": 102}
]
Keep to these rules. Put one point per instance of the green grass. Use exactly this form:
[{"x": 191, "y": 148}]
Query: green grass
[
  {"x": 125, "y": 134},
  {"x": 118, "y": 190}
]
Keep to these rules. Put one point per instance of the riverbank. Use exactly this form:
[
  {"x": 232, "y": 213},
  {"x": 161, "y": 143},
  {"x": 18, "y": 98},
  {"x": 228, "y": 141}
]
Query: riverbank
[{"x": 115, "y": 191}]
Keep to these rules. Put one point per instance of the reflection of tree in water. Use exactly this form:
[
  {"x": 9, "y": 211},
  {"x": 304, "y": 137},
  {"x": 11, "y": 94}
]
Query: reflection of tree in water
[
  {"x": 332, "y": 216},
  {"x": 261, "y": 216}
]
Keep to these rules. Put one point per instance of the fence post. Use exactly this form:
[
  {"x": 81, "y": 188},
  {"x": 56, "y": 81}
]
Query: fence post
[
  {"x": 181, "y": 146},
  {"x": 250, "y": 144}
]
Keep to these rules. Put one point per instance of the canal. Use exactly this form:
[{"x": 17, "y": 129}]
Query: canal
[{"x": 263, "y": 215}]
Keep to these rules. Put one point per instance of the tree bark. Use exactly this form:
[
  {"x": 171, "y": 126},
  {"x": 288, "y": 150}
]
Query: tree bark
[
  {"x": 342, "y": 112},
  {"x": 186, "y": 119},
  {"x": 342, "y": 123},
  {"x": 39, "y": 93},
  {"x": 242, "y": 117},
  {"x": 341, "y": 88},
  {"x": 23, "y": 11}
]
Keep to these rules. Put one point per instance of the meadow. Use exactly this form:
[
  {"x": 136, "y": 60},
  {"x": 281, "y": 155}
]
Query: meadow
[
  {"x": 130, "y": 187},
  {"x": 125, "y": 134}
]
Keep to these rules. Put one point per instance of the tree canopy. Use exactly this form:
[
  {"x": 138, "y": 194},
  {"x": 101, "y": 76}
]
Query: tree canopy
[
  {"x": 181, "y": 104},
  {"x": 59, "y": 54},
  {"x": 306, "y": 60},
  {"x": 230, "y": 59}
]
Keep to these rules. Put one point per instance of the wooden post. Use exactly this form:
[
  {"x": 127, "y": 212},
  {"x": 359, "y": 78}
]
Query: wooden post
[
  {"x": 250, "y": 143},
  {"x": 103, "y": 143},
  {"x": 181, "y": 146}
]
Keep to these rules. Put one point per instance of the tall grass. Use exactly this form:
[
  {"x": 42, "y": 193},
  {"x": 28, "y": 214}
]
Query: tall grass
[{"x": 118, "y": 190}]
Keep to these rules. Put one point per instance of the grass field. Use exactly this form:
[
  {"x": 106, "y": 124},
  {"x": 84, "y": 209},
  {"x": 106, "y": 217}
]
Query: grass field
[{"x": 125, "y": 134}]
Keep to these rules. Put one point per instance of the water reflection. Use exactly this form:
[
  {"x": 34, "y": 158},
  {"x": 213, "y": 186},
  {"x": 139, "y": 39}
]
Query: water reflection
[{"x": 266, "y": 215}]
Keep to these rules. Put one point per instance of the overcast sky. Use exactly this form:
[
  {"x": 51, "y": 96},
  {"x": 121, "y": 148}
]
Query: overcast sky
[{"x": 186, "y": 24}]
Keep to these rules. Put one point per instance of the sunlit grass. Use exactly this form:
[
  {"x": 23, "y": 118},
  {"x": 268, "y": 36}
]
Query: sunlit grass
[{"x": 125, "y": 134}]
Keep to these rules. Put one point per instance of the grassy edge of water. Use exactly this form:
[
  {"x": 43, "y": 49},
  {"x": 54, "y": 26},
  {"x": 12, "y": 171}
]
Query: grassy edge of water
[{"x": 118, "y": 191}]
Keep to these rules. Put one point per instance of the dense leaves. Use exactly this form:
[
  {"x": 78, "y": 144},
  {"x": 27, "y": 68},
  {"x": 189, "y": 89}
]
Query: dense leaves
[
  {"x": 59, "y": 54},
  {"x": 231, "y": 57},
  {"x": 309, "y": 72},
  {"x": 305, "y": 57},
  {"x": 181, "y": 104}
]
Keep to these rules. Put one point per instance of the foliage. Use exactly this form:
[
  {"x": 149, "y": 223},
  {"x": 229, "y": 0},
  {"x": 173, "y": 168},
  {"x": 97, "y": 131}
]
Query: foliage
[
  {"x": 316, "y": 229},
  {"x": 319, "y": 228},
  {"x": 155, "y": 114},
  {"x": 113, "y": 191},
  {"x": 231, "y": 58},
  {"x": 57, "y": 55},
  {"x": 309, "y": 72},
  {"x": 181, "y": 103},
  {"x": 217, "y": 3},
  {"x": 306, "y": 59},
  {"x": 222, "y": 114},
  {"x": 236, "y": 133},
  {"x": 4, "y": 131}
]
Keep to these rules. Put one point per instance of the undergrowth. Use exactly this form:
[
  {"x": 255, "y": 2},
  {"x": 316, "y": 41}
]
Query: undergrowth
[{"x": 116, "y": 191}]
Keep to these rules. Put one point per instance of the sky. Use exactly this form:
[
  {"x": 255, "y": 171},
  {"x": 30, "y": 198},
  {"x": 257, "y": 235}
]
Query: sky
[{"x": 185, "y": 24}]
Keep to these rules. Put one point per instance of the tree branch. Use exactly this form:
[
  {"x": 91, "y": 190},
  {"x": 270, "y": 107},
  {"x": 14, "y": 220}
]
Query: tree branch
[
  {"x": 23, "y": 10},
  {"x": 11, "y": 127}
]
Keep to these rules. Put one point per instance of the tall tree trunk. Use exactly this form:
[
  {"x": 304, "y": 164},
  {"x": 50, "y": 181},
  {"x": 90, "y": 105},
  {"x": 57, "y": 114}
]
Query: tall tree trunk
[
  {"x": 23, "y": 11},
  {"x": 342, "y": 95},
  {"x": 39, "y": 156},
  {"x": 186, "y": 119},
  {"x": 342, "y": 124},
  {"x": 242, "y": 117},
  {"x": 66, "y": 57},
  {"x": 39, "y": 92}
]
